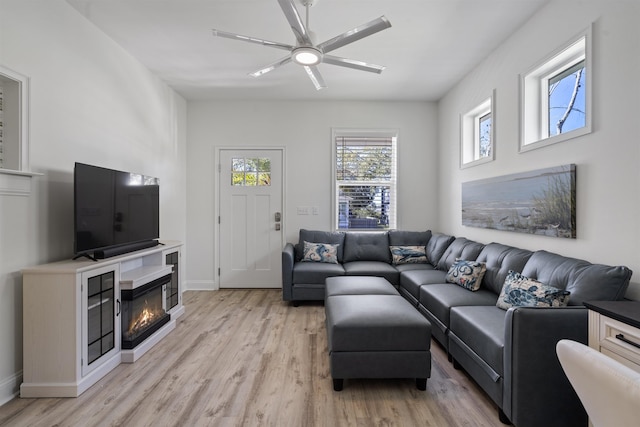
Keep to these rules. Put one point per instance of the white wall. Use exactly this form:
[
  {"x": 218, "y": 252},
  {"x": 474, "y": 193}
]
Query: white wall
[
  {"x": 304, "y": 130},
  {"x": 608, "y": 194},
  {"x": 90, "y": 102}
]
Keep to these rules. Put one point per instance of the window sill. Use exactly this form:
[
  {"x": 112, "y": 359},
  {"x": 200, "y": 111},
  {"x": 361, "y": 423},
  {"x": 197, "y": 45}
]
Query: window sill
[
  {"x": 477, "y": 162},
  {"x": 555, "y": 139},
  {"x": 16, "y": 183}
]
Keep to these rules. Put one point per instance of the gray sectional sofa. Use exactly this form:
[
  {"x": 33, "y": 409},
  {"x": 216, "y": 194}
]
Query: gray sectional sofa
[{"x": 509, "y": 353}]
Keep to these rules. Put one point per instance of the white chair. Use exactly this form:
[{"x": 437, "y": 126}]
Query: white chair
[{"x": 609, "y": 391}]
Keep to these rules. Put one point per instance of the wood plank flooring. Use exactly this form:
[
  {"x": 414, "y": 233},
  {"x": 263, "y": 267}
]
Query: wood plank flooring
[{"x": 246, "y": 358}]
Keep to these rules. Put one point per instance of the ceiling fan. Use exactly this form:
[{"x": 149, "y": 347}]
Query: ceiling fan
[{"x": 306, "y": 52}]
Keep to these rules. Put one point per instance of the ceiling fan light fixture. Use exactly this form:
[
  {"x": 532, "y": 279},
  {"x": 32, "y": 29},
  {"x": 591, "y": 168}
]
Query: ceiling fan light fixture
[{"x": 306, "y": 56}]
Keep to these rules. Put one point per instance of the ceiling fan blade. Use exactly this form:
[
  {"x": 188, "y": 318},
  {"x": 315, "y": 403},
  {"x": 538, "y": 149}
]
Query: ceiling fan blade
[
  {"x": 271, "y": 66},
  {"x": 352, "y": 63},
  {"x": 292, "y": 15},
  {"x": 315, "y": 76},
  {"x": 356, "y": 34},
  {"x": 234, "y": 36}
]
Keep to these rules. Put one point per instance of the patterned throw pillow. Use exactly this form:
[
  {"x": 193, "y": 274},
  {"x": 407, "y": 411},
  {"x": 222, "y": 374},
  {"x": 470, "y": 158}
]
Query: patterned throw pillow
[
  {"x": 408, "y": 254},
  {"x": 467, "y": 274},
  {"x": 320, "y": 252},
  {"x": 521, "y": 291}
]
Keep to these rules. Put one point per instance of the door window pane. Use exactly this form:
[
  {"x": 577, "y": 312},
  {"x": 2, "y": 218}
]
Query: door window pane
[{"x": 251, "y": 172}]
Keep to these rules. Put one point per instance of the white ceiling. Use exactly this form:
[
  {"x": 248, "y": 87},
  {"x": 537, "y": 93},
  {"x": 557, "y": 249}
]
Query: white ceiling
[{"x": 431, "y": 45}]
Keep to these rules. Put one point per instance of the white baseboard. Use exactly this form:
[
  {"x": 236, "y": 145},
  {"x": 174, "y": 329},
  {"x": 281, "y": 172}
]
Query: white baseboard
[
  {"x": 10, "y": 387},
  {"x": 200, "y": 285}
]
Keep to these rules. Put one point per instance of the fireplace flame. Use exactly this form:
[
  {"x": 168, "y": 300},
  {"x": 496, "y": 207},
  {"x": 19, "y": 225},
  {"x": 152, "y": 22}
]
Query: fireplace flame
[{"x": 146, "y": 317}]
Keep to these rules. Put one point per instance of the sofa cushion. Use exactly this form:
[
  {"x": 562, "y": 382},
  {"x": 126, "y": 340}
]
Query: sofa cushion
[
  {"x": 320, "y": 252},
  {"x": 367, "y": 247},
  {"x": 410, "y": 267},
  {"x": 467, "y": 274},
  {"x": 315, "y": 272},
  {"x": 499, "y": 260},
  {"x": 411, "y": 280},
  {"x": 585, "y": 281},
  {"x": 436, "y": 247},
  {"x": 372, "y": 268},
  {"x": 522, "y": 291},
  {"x": 408, "y": 255},
  {"x": 409, "y": 238},
  {"x": 314, "y": 236},
  {"x": 482, "y": 329},
  {"x": 440, "y": 298},
  {"x": 462, "y": 248}
]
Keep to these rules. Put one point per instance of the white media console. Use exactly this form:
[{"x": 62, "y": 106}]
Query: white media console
[{"x": 72, "y": 317}]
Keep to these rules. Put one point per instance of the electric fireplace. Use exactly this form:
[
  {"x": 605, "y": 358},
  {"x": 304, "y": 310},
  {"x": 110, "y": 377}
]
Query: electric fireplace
[{"x": 143, "y": 311}]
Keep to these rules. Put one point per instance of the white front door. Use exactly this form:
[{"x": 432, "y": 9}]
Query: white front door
[{"x": 250, "y": 242}]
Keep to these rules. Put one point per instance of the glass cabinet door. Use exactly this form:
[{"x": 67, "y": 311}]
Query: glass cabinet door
[
  {"x": 100, "y": 319},
  {"x": 172, "y": 288},
  {"x": 100, "y": 310}
]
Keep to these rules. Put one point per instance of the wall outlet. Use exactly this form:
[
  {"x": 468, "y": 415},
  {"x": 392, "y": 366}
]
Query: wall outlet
[
  {"x": 315, "y": 210},
  {"x": 303, "y": 210}
]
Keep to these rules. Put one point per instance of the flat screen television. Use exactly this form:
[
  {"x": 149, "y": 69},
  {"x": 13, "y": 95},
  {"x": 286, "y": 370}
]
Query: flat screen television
[{"x": 114, "y": 212}]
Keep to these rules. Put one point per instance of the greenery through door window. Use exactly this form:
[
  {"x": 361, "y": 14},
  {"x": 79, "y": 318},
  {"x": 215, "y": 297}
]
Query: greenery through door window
[{"x": 250, "y": 172}]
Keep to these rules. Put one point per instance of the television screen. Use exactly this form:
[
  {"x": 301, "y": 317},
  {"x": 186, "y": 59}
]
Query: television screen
[{"x": 113, "y": 208}]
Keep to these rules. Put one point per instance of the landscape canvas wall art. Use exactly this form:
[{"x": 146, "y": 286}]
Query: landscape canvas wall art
[{"x": 539, "y": 202}]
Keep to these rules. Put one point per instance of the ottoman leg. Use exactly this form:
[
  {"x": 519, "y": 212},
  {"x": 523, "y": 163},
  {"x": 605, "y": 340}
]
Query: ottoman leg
[
  {"x": 337, "y": 384},
  {"x": 421, "y": 384}
]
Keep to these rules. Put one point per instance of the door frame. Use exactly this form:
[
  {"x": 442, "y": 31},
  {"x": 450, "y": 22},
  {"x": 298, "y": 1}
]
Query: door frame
[{"x": 216, "y": 197}]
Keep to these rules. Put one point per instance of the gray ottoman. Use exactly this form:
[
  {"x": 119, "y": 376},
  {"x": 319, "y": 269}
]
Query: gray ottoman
[
  {"x": 377, "y": 336},
  {"x": 358, "y": 285}
]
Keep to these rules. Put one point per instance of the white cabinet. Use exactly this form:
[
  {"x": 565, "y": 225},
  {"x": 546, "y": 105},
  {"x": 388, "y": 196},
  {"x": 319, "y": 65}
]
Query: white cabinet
[
  {"x": 614, "y": 330},
  {"x": 72, "y": 323}
]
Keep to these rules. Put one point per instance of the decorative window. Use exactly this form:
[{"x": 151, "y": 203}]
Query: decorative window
[
  {"x": 478, "y": 134},
  {"x": 365, "y": 180},
  {"x": 250, "y": 172},
  {"x": 14, "y": 152},
  {"x": 556, "y": 96},
  {"x": 1, "y": 126}
]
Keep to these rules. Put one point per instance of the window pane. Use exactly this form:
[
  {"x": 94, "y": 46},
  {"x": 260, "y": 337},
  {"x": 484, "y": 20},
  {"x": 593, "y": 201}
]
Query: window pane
[
  {"x": 250, "y": 179},
  {"x": 263, "y": 164},
  {"x": 237, "y": 165},
  {"x": 264, "y": 178},
  {"x": 567, "y": 100},
  {"x": 363, "y": 206},
  {"x": 250, "y": 165},
  {"x": 484, "y": 132},
  {"x": 237, "y": 178},
  {"x": 367, "y": 160}
]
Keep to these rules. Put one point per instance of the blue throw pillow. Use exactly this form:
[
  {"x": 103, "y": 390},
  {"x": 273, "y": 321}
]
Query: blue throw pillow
[
  {"x": 408, "y": 254},
  {"x": 522, "y": 291},
  {"x": 467, "y": 274},
  {"x": 320, "y": 252}
]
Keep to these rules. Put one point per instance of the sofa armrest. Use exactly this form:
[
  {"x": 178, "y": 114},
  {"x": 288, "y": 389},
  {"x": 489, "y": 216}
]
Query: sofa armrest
[
  {"x": 288, "y": 259},
  {"x": 536, "y": 390}
]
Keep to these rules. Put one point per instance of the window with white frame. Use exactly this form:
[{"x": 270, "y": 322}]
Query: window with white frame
[
  {"x": 364, "y": 180},
  {"x": 556, "y": 96},
  {"x": 477, "y": 134}
]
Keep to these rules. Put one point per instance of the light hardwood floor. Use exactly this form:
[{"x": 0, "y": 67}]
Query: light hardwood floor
[{"x": 245, "y": 358}]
